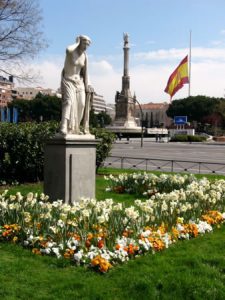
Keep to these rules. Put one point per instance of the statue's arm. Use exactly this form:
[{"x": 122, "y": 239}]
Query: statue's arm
[{"x": 71, "y": 48}]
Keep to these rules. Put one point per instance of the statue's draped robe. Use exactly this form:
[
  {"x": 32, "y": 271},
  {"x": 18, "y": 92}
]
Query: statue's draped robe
[{"x": 76, "y": 101}]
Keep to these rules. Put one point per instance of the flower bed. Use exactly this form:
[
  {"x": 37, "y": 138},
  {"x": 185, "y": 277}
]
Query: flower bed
[{"x": 101, "y": 234}]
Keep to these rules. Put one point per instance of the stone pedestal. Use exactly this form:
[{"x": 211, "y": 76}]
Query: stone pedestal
[{"x": 69, "y": 167}]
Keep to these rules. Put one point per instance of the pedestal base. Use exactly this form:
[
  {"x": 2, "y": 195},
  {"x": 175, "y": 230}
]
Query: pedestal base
[{"x": 69, "y": 168}]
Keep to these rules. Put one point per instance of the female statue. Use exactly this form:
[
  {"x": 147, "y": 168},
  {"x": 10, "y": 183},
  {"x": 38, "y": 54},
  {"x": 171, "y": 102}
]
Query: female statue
[{"x": 76, "y": 93}]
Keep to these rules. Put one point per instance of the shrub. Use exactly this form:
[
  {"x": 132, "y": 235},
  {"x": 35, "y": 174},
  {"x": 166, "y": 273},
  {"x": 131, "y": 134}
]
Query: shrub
[
  {"x": 104, "y": 146},
  {"x": 196, "y": 138},
  {"x": 187, "y": 138},
  {"x": 22, "y": 149},
  {"x": 179, "y": 138}
]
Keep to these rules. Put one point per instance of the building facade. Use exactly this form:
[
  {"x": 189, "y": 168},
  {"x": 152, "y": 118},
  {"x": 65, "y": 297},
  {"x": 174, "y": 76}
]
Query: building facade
[
  {"x": 154, "y": 115},
  {"x": 29, "y": 93},
  {"x": 6, "y": 87},
  {"x": 98, "y": 104}
]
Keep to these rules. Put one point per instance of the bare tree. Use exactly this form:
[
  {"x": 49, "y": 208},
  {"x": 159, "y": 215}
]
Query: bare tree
[{"x": 21, "y": 37}]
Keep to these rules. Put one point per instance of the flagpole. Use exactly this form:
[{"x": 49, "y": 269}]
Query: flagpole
[{"x": 189, "y": 87}]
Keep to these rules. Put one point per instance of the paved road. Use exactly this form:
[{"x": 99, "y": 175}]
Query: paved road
[{"x": 194, "y": 152}]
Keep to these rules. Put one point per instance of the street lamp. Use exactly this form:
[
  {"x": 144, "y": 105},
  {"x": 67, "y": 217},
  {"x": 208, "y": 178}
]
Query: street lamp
[{"x": 142, "y": 118}]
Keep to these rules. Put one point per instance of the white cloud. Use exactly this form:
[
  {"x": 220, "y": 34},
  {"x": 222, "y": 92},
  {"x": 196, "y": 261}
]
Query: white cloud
[
  {"x": 148, "y": 74},
  {"x": 172, "y": 54},
  {"x": 100, "y": 66}
]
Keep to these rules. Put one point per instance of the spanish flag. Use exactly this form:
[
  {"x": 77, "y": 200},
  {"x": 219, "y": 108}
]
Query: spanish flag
[{"x": 178, "y": 78}]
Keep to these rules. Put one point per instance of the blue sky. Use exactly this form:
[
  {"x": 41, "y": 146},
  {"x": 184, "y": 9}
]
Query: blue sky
[{"x": 159, "y": 39}]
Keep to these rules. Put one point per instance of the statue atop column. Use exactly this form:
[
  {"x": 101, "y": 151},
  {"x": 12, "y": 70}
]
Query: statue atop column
[
  {"x": 125, "y": 104},
  {"x": 125, "y": 38}
]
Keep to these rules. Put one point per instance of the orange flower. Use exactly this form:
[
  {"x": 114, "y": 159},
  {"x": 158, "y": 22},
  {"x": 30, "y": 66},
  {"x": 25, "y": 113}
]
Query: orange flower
[
  {"x": 96, "y": 261},
  {"x": 77, "y": 237},
  {"x": 38, "y": 226},
  {"x": 119, "y": 189},
  {"x": 132, "y": 249},
  {"x": 104, "y": 266},
  {"x": 88, "y": 243},
  {"x": 100, "y": 244},
  {"x": 89, "y": 236},
  {"x": 6, "y": 226},
  {"x": 125, "y": 249},
  {"x": 36, "y": 251},
  {"x": 127, "y": 233},
  {"x": 158, "y": 244},
  {"x": 101, "y": 263},
  {"x": 117, "y": 247},
  {"x": 213, "y": 217},
  {"x": 6, "y": 233},
  {"x": 163, "y": 228},
  {"x": 175, "y": 233},
  {"x": 44, "y": 243},
  {"x": 68, "y": 253}
]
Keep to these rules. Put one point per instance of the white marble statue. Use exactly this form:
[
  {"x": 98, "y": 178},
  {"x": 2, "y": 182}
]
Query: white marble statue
[{"x": 76, "y": 92}]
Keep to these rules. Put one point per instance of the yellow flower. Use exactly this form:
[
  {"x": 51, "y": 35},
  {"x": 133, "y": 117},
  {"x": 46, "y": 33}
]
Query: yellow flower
[{"x": 15, "y": 239}]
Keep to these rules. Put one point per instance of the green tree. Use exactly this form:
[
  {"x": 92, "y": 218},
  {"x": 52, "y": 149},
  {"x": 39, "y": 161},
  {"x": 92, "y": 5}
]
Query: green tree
[
  {"x": 196, "y": 108},
  {"x": 93, "y": 119},
  {"x": 46, "y": 108},
  {"x": 99, "y": 120},
  {"x": 42, "y": 108},
  {"x": 24, "y": 109}
]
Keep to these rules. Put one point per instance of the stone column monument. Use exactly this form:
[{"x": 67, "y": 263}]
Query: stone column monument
[
  {"x": 125, "y": 104},
  {"x": 70, "y": 157}
]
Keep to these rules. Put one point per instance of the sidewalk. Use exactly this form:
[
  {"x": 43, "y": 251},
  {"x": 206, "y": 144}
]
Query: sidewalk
[{"x": 164, "y": 140}]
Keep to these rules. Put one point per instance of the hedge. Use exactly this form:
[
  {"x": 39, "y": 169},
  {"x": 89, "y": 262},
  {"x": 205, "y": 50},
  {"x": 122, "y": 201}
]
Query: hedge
[
  {"x": 22, "y": 149},
  {"x": 187, "y": 138}
]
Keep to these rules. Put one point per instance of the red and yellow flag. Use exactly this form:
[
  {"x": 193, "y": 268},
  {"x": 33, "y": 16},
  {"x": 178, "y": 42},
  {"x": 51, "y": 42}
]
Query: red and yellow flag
[{"x": 178, "y": 78}]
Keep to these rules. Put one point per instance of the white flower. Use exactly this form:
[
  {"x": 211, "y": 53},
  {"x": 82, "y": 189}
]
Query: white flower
[
  {"x": 85, "y": 213},
  {"x": 117, "y": 207},
  {"x": 146, "y": 233},
  {"x": 78, "y": 256},
  {"x": 56, "y": 250},
  {"x": 30, "y": 196},
  {"x": 60, "y": 223},
  {"x": 12, "y": 197},
  {"x": 101, "y": 219},
  {"x": 72, "y": 244},
  {"x": 164, "y": 206},
  {"x": 152, "y": 218},
  {"x": 183, "y": 208},
  {"x": 131, "y": 213},
  {"x": 204, "y": 227},
  {"x": 19, "y": 196},
  {"x": 53, "y": 229}
]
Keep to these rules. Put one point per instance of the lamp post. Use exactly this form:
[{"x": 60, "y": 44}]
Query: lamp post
[{"x": 142, "y": 117}]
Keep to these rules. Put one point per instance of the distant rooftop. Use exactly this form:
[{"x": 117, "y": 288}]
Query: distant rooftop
[{"x": 152, "y": 105}]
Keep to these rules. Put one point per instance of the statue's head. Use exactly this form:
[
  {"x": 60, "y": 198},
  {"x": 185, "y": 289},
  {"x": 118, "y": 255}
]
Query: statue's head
[
  {"x": 83, "y": 42},
  {"x": 83, "y": 38}
]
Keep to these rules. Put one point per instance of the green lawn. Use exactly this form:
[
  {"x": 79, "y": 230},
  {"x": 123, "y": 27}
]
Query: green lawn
[{"x": 192, "y": 269}]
